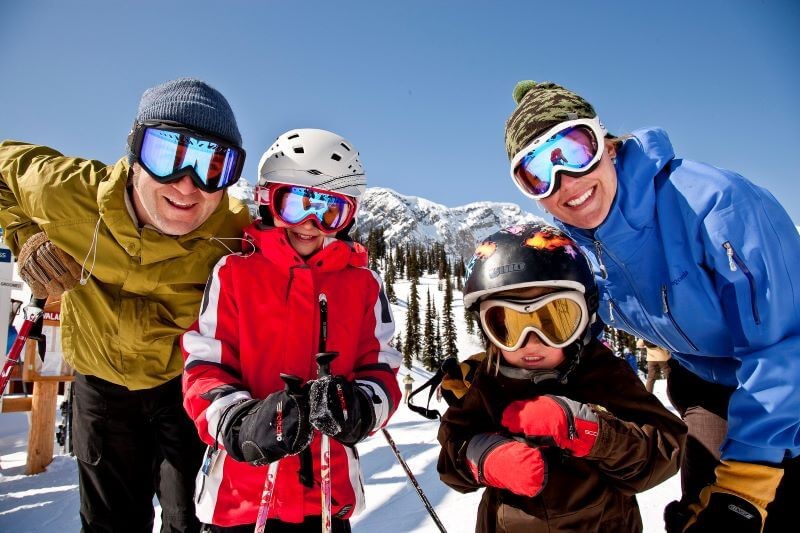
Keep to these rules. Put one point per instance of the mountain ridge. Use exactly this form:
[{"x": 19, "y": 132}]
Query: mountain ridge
[{"x": 416, "y": 220}]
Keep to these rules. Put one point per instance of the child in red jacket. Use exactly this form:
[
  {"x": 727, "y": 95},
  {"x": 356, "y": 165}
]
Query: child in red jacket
[{"x": 251, "y": 380}]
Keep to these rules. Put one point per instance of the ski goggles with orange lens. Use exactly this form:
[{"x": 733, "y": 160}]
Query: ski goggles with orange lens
[
  {"x": 294, "y": 204},
  {"x": 573, "y": 147},
  {"x": 169, "y": 151},
  {"x": 558, "y": 319}
]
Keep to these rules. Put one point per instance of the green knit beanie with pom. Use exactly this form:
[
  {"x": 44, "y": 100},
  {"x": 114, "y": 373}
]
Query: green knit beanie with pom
[{"x": 540, "y": 106}]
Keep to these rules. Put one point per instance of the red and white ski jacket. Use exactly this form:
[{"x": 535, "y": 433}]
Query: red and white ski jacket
[{"x": 260, "y": 317}]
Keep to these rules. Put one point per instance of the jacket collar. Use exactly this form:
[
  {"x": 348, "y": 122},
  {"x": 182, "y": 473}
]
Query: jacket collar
[
  {"x": 639, "y": 161},
  {"x": 150, "y": 244},
  {"x": 335, "y": 255}
]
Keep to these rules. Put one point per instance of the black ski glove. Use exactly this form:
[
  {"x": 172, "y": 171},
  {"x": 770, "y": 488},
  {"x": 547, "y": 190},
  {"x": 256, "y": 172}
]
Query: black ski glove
[
  {"x": 341, "y": 409},
  {"x": 262, "y": 431}
]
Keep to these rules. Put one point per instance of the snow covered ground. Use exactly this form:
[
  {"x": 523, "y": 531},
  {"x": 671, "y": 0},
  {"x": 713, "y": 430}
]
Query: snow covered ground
[{"x": 49, "y": 501}]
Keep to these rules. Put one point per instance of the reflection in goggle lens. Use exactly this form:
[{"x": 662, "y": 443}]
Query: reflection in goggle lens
[
  {"x": 558, "y": 320},
  {"x": 573, "y": 148}
]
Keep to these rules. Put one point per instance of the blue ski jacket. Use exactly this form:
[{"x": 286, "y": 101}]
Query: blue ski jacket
[{"x": 703, "y": 262}]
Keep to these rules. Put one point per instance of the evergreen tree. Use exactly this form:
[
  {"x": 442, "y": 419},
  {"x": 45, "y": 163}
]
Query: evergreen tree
[
  {"x": 442, "y": 262},
  {"x": 400, "y": 258},
  {"x": 388, "y": 282},
  {"x": 412, "y": 346},
  {"x": 469, "y": 318},
  {"x": 429, "y": 358},
  {"x": 398, "y": 344},
  {"x": 412, "y": 263},
  {"x": 450, "y": 335},
  {"x": 460, "y": 272}
]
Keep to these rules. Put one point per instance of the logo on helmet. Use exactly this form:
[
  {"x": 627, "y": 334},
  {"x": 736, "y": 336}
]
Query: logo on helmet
[{"x": 505, "y": 269}]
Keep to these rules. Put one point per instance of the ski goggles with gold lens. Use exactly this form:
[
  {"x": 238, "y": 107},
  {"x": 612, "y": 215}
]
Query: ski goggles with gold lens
[
  {"x": 294, "y": 204},
  {"x": 573, "y": 147},
  {"x": 558, "y": 319},
  {"x": 169, "y": 151}
]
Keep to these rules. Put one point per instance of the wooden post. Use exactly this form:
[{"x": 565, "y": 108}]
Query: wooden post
[{"x": 42, "y": 430}]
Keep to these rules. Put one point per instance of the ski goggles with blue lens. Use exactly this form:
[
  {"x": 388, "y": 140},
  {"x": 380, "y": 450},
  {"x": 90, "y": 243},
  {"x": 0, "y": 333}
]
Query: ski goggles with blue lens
[
  {"x": 573, "y": 147},
  {"x": 169, "y": 151},
  {"x": 294, "y": 204}
]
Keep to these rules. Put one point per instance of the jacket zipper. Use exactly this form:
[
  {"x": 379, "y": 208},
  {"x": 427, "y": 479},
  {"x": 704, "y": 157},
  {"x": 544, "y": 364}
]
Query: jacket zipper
[
  {"x": 633, "y": 331},
  {"x": 598, "y": 248},
  {"x": 572, "y": 431},
  {"x": 665, "y": 308},
  {"x": 733, "y": 261},
  {"x": 599, "y": 251}
]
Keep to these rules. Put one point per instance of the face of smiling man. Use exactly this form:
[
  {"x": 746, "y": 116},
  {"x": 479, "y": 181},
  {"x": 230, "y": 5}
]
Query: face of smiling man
[{"x": 175, "y": 208}]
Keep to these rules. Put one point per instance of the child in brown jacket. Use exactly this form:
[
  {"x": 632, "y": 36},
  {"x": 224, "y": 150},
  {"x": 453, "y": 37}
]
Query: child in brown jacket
[{"x": 560, "y": 432}]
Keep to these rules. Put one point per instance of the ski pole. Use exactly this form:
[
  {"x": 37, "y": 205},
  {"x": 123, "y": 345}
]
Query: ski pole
[
  {"x": 413, "y": 481},
  {"x": 324, "y": 359},
  {"x": 33, "y": 312},
  {"x": 293, "y": 384}
]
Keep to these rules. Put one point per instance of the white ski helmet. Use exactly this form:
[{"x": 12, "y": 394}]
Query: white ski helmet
[{"x": 314, "y": 158}]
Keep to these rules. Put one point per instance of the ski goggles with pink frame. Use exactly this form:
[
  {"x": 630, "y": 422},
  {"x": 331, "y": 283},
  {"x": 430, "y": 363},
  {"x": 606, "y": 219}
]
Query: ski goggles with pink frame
[
  {"x": 294, "y": 204},
  {"x": 573, "y": 147}
]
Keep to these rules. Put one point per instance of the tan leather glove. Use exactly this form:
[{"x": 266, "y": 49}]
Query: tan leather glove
[
  {"x": 738, "y": 500},
  {"x": 46, "y": 269}
]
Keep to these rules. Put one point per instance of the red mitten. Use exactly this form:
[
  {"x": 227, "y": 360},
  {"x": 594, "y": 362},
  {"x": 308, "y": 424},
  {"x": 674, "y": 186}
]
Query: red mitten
[
  {"x": 504, "y": 463},
  {"x": 554, "y": 420}
]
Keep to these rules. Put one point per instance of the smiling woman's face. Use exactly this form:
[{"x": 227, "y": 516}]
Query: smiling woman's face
[{"x": 584, "y": 202}]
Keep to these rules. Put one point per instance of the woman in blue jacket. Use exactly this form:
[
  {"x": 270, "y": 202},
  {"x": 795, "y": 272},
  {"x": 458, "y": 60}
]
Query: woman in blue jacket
[{"x": 696, "y": 259}]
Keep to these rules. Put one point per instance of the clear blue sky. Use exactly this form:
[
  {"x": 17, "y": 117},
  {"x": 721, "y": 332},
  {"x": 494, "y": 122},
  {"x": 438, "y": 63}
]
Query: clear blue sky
[{"x": 421, "y": 88}]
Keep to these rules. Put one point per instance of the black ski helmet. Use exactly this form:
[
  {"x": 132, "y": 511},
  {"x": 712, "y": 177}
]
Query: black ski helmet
[{"x": 528, "y": 255}]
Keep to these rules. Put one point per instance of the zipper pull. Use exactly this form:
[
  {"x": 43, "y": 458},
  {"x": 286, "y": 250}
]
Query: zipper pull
[
  {"x": 664, "y": 305},
  {"x": 599, "y": 251},
  {"x": 208, "y": 461},
  {"x": 611, "y": 311},
  {"x": 729, "y": 252}
]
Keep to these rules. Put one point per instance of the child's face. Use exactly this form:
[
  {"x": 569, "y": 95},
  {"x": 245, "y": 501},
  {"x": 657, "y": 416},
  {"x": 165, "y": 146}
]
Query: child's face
[
  {"x": 306, "y": 238},
  {"x": 534, "y": 354}
]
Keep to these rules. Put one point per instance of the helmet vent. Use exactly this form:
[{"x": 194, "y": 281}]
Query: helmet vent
[
  {"x": 299, "y": 150},
  {"x": 336, "y": 157},
  {"x": 345, "y": 146},
  {"x": 295, "y": 136}
]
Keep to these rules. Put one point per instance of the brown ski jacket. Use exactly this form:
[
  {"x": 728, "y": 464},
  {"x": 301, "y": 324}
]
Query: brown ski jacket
[{"x": 639, "y": 445}]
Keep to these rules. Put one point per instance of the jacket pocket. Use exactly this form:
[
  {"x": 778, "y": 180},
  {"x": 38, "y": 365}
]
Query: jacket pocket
[
  {"x": 736, "y": 263},
  {"x": 89, "y": 422},
  {"x": 668, "y": 313}
]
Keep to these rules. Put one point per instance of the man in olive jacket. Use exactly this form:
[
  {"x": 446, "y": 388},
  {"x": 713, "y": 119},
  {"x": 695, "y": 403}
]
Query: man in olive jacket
[{"x": 130, "y": 245}]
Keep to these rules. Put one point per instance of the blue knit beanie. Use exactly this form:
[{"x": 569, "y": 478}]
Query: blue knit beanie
[{"x": 194, "y": 104}]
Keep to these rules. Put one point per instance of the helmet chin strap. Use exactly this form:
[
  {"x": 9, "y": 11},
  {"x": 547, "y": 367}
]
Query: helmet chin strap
[
  {"x": 344, "y": 234},
  {"x": 572, "y": 358}
]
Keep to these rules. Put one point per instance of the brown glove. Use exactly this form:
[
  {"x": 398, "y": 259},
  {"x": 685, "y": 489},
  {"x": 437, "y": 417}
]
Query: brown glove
[{"x": 47, "y": 270}]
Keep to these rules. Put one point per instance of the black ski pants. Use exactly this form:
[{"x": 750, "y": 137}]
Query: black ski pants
[
  {"x": 131, "y": 446},
  {"x": 704, "y": 408}
]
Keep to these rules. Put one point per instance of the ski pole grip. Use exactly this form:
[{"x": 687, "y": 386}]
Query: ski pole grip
[
  {"x": 293, "y": 384},
  {"x": 38, "y": 302},
  {"x": 324, "y": 363}
]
